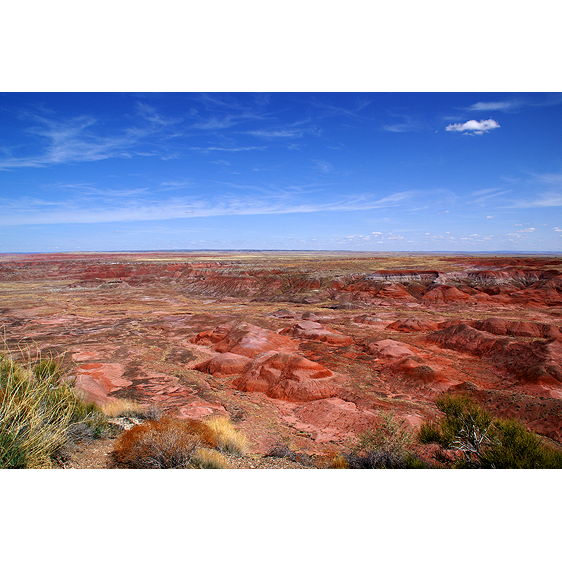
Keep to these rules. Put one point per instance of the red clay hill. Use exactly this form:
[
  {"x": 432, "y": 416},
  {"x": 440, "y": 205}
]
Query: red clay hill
[{"x": 300, "y": 348}]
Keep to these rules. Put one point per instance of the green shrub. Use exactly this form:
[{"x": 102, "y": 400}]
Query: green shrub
[
  {"x": 386, "y": 445},
  {"x": 517, "y": 447},
  {"x": 485, "y": 441}
]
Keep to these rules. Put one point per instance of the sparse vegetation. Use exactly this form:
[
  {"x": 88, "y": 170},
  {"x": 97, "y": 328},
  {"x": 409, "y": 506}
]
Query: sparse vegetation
[
  {"x": 228, "y": 440},
  {"x": 281, "y": 451},
  {"x": 479, "y": 440},
  {"x": 39, "y": 413},
  {"x": 175, "y": 443},
  {"x": 387, "y": 445}
]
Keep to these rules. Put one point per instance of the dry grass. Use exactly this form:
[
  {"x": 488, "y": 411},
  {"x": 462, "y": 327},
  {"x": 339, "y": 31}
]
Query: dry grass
[
  {"x": 209, "y": 458},
  {"x": 338, "y": 461},
  {"x": 227, "y": 438},
  {"x": 122, "y": 408},
  {"x": 38, "y": 413},
  {"x": 177, "y": 443},
  {"x": 164, "y": 443}
]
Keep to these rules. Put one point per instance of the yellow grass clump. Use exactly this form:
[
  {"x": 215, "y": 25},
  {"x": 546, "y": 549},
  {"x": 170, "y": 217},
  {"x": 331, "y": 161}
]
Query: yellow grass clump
[
  {"x": 121, "y": 407},
  {"x": 209, "y": 458},
  {"x": 228, "y": 439}
]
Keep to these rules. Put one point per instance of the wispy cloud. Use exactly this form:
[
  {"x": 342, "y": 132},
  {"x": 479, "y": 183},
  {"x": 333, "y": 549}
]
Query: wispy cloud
[
  {"x": 323, "y": 166},
  {"x": 515, "y": 104},
  {"x": 507, "y": 106},
  {"x": 474, "y": 127},
  {"x": 408, "y": 124},
  {"x": 226, "y": 149},
  {"x": 550, "y": 198},
  {"x": 125, "y": 207},
  {"x": 484, "y": 195},
  {"x": 290, "y": 132},
  {"x": 71, "y": 140}
]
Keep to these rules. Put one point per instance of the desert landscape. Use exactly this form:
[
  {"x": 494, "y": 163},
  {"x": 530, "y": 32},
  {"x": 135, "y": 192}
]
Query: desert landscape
[{"x": 301, "y": 351}]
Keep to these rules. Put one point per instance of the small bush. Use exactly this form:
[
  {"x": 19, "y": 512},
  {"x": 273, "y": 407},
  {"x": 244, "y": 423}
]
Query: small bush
[
  {"x": 338, "y": 462},
  {"x": 281, "y": 451},
  {"x": 485, "y": 441},
  {"x": 429, "y": 433},
  {"x": 179, "y": 443},
  {"x": 166, "y": 443},
  {"x": 387, "y": 445}
]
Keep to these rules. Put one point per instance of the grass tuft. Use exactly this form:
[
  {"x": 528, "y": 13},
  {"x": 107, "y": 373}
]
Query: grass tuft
[
  {"x": 228, "y": 440},
  {"x": 39, "y": 413},
  {"x": 209, "y": 458}
]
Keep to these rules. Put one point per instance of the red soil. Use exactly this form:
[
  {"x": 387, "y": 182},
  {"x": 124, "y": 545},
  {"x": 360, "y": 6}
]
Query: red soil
[{"x": 307, "y": 350}]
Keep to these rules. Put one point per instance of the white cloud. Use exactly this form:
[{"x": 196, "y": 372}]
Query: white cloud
[
  {"x": 557, "y": 229},
  {"x": 496, "y": 106},
  {"x": 474, "y": 127}
]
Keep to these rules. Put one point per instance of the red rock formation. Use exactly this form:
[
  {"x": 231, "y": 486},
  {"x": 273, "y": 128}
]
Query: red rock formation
[
  {"x": 224, "y": 365},
  {"x": 287, "y": 377},
  {"x": 413, "y": 325},
  {"x": 389, "y": 349},
  {"x": 309, "y": 330},
  {"x": 502, "y": 327},
  {"x": 533, "y": 362},
  {"x": 444, "y": 294},
  {"x": 242, "y": 338},
  {"x": 415, "y": 370},
  {"x": 95, "y": 381}
]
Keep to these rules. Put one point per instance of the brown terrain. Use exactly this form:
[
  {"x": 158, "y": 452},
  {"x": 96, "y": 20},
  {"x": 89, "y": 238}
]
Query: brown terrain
[{"x": 301, "y": 349}]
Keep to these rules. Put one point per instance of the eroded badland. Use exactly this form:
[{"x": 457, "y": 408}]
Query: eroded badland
[{"x": 305, "y": 349}]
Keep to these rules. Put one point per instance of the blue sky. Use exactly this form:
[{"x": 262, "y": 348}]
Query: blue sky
[{"x": 302, "y": 171}]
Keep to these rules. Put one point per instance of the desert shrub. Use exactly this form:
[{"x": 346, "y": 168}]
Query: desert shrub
[
  {"x": 429, "y": 433},
  {"x": 227, "y": 439},
  {"x": 517, "y": 447},
  {"x": 179, "y": 443},
  {"x": 338, "y": 461},
  {"x": 281, "y": 451},
  {"x": 165, "y": 443},
  {"x": 387, "y": 445},
  {"x": 485, "y": 441},
  {"x": 37, "y": 413}
]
